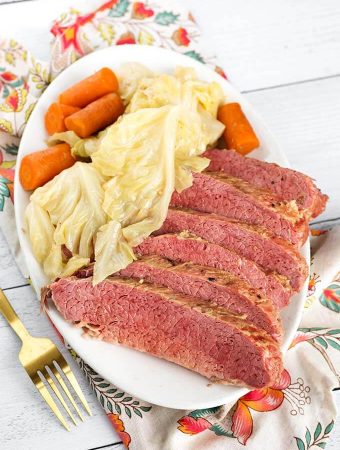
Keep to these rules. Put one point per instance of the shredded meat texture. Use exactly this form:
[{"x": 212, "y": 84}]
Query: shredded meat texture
[
  {"x": 237, "y": 199},
  {"x": 255, "y": 243},
  {"x": 177, "y": 327},
  {"x": 199, "y": 251},
  {"x": 287, "y": 184}
]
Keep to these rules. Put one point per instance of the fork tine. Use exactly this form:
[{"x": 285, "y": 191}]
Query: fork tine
[
  {"x": 74, "y": 383},
  {"x": 55, "y": 389},
  {"x": 66, "y": 390},
  {"x": 48, "y": 399}
]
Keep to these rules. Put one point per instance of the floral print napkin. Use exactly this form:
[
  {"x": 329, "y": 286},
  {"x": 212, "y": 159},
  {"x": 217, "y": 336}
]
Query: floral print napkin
[{"x": 299, "y": 410}]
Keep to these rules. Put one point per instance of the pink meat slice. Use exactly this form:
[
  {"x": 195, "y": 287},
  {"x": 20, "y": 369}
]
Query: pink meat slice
[
  {"x": 198, "y": 251},
  {"x": 286, "y": 183},
  {"x": 178, "y": 328},
  {"x": 215, "y": 286},
  {"x": 253, "y": 242},
  {"x": 237, "y": 199}
]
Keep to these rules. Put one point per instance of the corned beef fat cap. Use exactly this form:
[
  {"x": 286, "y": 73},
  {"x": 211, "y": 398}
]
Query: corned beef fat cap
[{"x": 287, "y": 184}]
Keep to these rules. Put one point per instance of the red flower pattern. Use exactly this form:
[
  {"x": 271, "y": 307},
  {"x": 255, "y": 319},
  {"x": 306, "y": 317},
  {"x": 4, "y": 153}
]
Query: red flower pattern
[
  {"x": 119, "y": 427},
  {"x": 261, "y": 400},
  {"x": 191, "y": 425},
  {"x": 126, "y": 38},
  {"x": 69, "y": 34},
  {"x": 181, "y": 37},
  {"x": 7, "y": 77},
  {"x": 139, "y": 11},
  {"x": 221, "y": 72}
]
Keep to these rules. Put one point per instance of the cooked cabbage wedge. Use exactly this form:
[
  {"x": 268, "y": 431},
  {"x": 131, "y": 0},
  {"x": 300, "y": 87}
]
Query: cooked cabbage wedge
[
  {"x": 105, "y": 208},
  {"x": 66, "y": 211}
]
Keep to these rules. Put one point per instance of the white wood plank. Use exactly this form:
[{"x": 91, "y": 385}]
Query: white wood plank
[
  {"x": 265, "y": 43},
  {"x": 305, "y": 120},
  {"x": 9, "y": 273},
  {"x": 262, "y": 43}
]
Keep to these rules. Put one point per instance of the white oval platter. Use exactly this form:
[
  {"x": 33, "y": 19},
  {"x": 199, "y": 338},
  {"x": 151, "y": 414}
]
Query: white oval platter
[{"x": 141, "y": 375}]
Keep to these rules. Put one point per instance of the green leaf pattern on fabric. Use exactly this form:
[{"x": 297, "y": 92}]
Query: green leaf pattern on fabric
[
  {"x": 110, "y": 397},
  {"x": 300, "y": 444},
  {"x": 166, "y": 18},
  {"x": 120, "y": 9},
  {"x": 318, "y": 437}
]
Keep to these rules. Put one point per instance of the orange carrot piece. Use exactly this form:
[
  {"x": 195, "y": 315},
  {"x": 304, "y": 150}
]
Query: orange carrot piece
[
  {"x": 68, "y": 110},
  {"x": 238, "y": 134},
  {"x": 95, "y": 116},
  {"x": 90, "y": 89},
  {"x": 55, "y": 117},
  {"x": 38, "y": 168}
]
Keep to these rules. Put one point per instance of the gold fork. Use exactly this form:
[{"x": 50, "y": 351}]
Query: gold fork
[{"x": 41, "y": 359}]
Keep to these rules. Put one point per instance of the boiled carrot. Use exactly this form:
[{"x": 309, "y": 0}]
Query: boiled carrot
[
  {"x": 90, "y": 89},
  {"x": 238, "y": 134},
  {"x": 38, "y": 168},
  {"x": 95, "y": 116},
  {"x": 55, "y": 117}
]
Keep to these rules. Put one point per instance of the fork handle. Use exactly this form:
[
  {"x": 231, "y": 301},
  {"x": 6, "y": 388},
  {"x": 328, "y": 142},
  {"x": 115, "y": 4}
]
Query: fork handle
[{"x": 11, "y": 317}]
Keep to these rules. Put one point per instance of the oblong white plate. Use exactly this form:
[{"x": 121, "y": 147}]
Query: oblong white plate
[{"x": 144, "y": 376}]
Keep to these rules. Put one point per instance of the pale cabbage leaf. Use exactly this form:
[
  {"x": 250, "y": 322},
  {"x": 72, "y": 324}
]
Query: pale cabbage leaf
[
  {"x": 112, "y": 252},
  {"x": 129, "y": 75},
  {"x": 66, "y": 211},
  {"x": 40, "y": 230},
  {"x": 79, "y": 147},
  {"x": 138, "y": 154}
]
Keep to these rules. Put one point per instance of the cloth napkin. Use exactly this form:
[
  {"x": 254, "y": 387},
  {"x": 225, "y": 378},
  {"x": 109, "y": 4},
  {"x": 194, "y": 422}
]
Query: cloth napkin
[{"x": 299, "y": 411}]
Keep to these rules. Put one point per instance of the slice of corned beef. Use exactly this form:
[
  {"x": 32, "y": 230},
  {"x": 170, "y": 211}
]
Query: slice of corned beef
[
  {"x": 253, "y": 242},
  {"x": 178, "y": 328},
  {"x": 286, "y": 183},
  {"x": 235, "y": 198},
  {"x": 198, "y": 251},
  {"x": 215, "y": 286}
]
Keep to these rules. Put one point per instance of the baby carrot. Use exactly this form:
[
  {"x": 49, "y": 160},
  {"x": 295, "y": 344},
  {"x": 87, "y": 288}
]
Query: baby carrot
[
  {"x": 90, "y": 89},
  {"x": 238, "y": 134},
  {"x": 38, "y": 168},
  {"x": 95, "y": 116},
  {"x": 55, "y": 116}
]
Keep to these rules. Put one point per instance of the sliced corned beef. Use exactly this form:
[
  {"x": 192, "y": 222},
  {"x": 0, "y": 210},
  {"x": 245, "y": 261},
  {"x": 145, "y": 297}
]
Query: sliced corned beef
[
  {"x": 198, "y": 251},
  {"x": 286, "y": 183},
  {"x": 178, "y": 328},
  {"x": 215, "y": 192},
  {"x": 253, "y": 242},
  {"x": 215, "y": 286}
]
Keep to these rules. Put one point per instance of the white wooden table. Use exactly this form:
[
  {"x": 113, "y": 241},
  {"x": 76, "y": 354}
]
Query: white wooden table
[{"x": 284, "y": 56}]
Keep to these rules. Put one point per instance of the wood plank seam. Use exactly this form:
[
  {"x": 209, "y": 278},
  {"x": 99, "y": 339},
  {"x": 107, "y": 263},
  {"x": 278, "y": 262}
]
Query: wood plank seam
[
  {"x": 105, "y": 446},
  {"x": 318, "y": 222},
  {"x": 16, "y": 287},
  {"x": 293, "y": 83},
  {"x": 15, "y": 1}
]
